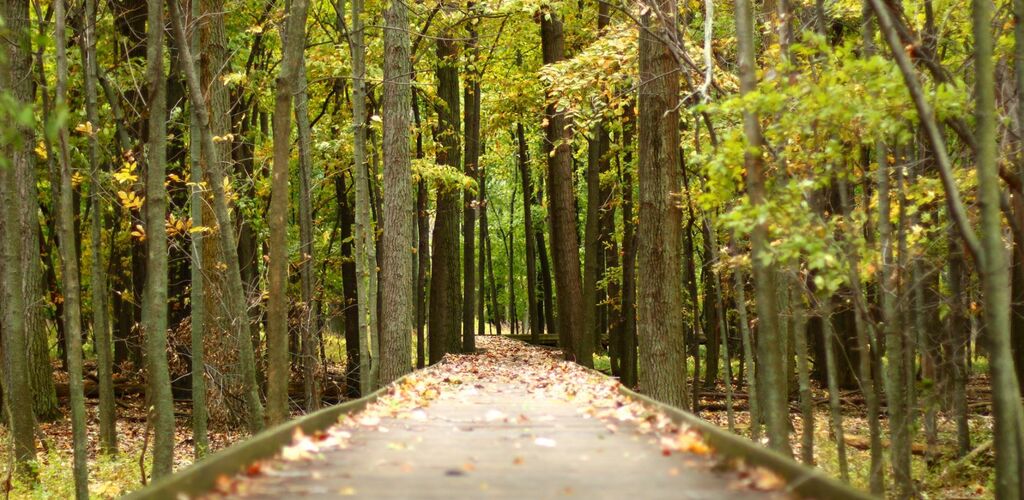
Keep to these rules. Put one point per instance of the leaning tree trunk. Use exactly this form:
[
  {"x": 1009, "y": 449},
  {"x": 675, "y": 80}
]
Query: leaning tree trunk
[
  {"x": 235, "y": 293},
  {"x": 659, "y": 281}
]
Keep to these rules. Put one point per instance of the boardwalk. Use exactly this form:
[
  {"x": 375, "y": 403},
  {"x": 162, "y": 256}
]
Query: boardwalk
[{"x": 510, "y": 422}]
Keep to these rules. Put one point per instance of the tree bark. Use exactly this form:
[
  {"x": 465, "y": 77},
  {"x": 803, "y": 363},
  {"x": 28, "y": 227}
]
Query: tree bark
[
  {"x": 659, "y": 284},
  {"x": 154, "y": 310},
  {"x": 771, "y": 364},
  {"x": 366, "y": 257},
  {"x": 522, "y": 158},
  {"x": 445, "y": 298},
  {"x": 235, "y": 293},
  {"x": 471, "y": 100},
  {"x": 576, "y": 345},
  {"x": 398, "y": 235},
  {"x": 293, "y": 44}
]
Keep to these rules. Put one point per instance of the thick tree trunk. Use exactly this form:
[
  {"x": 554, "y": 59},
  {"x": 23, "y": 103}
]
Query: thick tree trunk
[
  {"x": 562, "y": 212},
  {"x": 398, "y": 235},
  {"x": 659, "y": 283},
  {"x": 445, "y": 297}
]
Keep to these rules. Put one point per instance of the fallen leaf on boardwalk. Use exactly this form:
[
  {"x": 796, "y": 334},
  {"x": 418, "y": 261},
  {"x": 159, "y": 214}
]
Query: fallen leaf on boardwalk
[
  {"x": 302, "y": 448},
  {"x": 418, "y": 415},
  {"x": 347, "y": 491},
  {"x": 762, "y": 479},
  {"x": 545, "y": 442},
  {"x": 468, "y": 467},
  {"x": 517, "y": 461},
  {"x": 369, "y": 420},
  {"x": 494, "y": 415}
]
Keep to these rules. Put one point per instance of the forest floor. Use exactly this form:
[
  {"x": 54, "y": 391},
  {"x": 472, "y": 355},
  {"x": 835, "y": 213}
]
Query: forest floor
[{"x": 111, "y": 477}]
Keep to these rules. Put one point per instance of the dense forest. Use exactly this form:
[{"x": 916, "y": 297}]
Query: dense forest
[{"x": 801, "y": 220}]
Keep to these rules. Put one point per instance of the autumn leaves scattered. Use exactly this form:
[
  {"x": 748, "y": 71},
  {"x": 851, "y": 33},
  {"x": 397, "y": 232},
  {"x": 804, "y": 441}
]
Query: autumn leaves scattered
[{"x": 501, "y": 361}]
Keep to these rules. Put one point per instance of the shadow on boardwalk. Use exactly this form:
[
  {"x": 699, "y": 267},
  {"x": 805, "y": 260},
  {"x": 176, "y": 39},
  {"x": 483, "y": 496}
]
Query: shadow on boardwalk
[{"x": 512, "y": 421}]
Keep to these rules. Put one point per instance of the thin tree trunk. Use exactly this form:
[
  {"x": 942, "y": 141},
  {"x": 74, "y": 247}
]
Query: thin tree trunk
[
  {"x": 994, "y": 270},
  {"x": 278, "y": 371},
  {"x": 200, "y": 413},
  {"x": 366, "y": 257},
  {"x": 154, "y": 310},
  {"x": 423, "y": 245},
  {"x": 72, "y": 293},
  {"x": 866, "y": 343},
  {"x": 803, "y": 380},
  {"x": 310, "y": 321},
  {"x": 833, "y": 388},
  {"x": 753, "y": 403},
  {"x": 531, "y": 244},
  {"x": 771, "y": 364},
  {"x": 628, "y": 344},
  {"x": 471, "y": 203},
  {"x": 98, "y": 278}
]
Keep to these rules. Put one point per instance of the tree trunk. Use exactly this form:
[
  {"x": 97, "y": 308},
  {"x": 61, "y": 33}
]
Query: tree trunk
[
  {"x": 771, "y": 365},
  {"x": 445, "y": 299},
  {"x": 21, "y": 418},
  {"x": 200, "y": 412},
  {"x": 423, "y": 246},
  {"x": 659, "y": 284},
  {"x": 310, "y": 320},
  {"x": 471, "y": 100},
  {"x": 994, "y": 271},
  {"x": 628, "y": 341},
  {"x": 531, "y": 244},
  {"x": 366, "y": 257},
  {"x": 564, "y": 241},
  {"x": 235, "y": 294},
  {"x": 293, "y": 44},
  {"x": 398, "y": 235},
  {"x": 154, "y": 310},
  {"x": 98, "y": 278}
]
